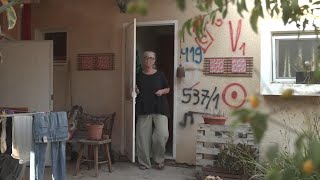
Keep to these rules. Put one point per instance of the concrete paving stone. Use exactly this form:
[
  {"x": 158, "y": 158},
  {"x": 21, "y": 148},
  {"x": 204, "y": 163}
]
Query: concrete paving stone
[{"x": 127, "y": 171}]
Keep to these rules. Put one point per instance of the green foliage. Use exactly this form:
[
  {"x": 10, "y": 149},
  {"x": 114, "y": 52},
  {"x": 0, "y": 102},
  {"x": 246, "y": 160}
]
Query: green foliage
[
  {"x": 241, "y": 6},
  {"x": 289, "y": 10},
  {"x": 204, "y": 5},
  {"x": 273, "y": 175},
  {"x": 10, "y": 12},
  {"x": 138, "y": 6},
  {"x": 259, "y": 125},
  {"x": 255, "y": 13},
  {"x": 291, "y": 166},
  {"x": 238, "y": 158},
  {"x": 314, "y": 150},
  {"x": 301, "y": 164},
  {"x": 272, "y": 152},
  {"x": 11, "y": 17},
  {"x": 181, "y": 4},
  {"x": 11, "y": 3},
  {"x": 256, "y": 119}
]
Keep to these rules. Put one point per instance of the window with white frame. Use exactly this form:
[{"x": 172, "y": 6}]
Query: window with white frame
[
  {"x": 288, "y": 59},
  {"x": 293, "y": 54}
]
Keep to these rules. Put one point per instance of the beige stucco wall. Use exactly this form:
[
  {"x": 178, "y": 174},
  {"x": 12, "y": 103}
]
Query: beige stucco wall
[
  {"x": 90, "y": 27},
  {"x": 96, "y": 26}
]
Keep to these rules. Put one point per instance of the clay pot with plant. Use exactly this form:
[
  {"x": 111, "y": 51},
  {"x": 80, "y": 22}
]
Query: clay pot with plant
[
  {"x": 215, "y": 119},
  {"x": 94, "y": 130}
]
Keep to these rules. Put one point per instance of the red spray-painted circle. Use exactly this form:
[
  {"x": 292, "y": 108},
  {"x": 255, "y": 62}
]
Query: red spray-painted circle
[{"x": 234, "y": 95}]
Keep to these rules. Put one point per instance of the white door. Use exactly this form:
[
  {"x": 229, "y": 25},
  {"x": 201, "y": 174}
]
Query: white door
[
  {"x": 26, "y": 75},
  {"x": 130, "y": 94}
]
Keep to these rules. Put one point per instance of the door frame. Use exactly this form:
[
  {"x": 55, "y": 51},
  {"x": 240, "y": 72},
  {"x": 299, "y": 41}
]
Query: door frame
[
  {"x": 39, "y": 36},
  {"x": 175, "y": 63}
]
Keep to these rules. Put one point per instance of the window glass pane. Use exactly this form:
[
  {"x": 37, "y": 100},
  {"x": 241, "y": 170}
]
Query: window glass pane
[
  {"x": 295, "y": 55},
  {"x": 59, "y": 44}
]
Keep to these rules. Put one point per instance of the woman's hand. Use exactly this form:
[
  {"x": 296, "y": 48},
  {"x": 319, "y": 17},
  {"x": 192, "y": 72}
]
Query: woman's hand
[
  {"x": 159, "y": 92},
  {"x": 137, "y": 90},
  {"x": 162, "y": 91}
]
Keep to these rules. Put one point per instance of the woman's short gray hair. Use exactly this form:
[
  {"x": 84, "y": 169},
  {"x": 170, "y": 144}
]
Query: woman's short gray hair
[{"x": 149, "y": 54}]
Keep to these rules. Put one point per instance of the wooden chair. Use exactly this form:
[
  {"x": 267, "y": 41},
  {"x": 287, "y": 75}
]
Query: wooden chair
[
  {"x": 108, "y": 122},
  {"x": 94, "y": 145}
]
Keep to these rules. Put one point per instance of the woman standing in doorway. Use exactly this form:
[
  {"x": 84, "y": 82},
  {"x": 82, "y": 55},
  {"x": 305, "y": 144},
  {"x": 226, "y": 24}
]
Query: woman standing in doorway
[{"x": 152, "y": 112}]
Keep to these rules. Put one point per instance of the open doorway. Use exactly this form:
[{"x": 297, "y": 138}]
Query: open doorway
[{"x": 160, "y": 39}]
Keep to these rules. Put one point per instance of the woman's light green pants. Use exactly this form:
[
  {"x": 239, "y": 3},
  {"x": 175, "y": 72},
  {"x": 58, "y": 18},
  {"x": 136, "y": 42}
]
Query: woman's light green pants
[{"x": 151, "y": 140}]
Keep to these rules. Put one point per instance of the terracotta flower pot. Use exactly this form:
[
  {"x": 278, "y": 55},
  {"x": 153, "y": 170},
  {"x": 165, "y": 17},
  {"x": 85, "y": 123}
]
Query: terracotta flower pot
[
  {"x": 94, "y": 131},
  {"x": 212, "y": 119}
]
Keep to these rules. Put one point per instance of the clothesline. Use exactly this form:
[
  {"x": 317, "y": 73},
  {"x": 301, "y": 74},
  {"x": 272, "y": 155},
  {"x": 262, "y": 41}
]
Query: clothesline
[
  {"x": 27, "y": 144},
  {"x": 20, "y": 114}
]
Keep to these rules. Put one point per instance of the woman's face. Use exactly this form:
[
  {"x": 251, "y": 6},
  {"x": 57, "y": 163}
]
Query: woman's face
[{"x": 148, "y": 61}]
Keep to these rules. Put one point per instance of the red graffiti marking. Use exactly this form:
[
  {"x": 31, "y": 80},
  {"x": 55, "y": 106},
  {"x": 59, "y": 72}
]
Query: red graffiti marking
[
  {"x": 195, "y": 85},
  {"x": 243, "y": 48},
  {"x": 219, "y": 22},
  {"x": 205, "y": 42},
  {"x": 234, "y": 95},
  {"x": 234, "y": 44}
]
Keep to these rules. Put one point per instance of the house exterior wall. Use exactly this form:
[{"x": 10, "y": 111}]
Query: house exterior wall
[{"x": 96, "y": 26}]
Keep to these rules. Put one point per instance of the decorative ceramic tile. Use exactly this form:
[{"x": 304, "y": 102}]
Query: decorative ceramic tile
[
  {"x": 239, "y": 66},
  {"x": 228, "y": 66},
  {"x": 103, "y": 61},
  {"x": 86, "y": 62},
  {"x": 216, "y": 65}
]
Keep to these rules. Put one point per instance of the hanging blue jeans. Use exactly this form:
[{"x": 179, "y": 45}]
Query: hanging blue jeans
[{"x": 49, "y": 127}]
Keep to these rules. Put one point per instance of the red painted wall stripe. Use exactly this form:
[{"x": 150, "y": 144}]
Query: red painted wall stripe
[{"x": 26, "y": 22}]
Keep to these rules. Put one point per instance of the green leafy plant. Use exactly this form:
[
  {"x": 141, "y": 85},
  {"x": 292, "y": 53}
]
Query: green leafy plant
[
  {"x": 238, "y": 158},
  {"x": 302, "y": 164},
  {"x": 7, "y": 6},
  {"x": 289, "y": 10}
]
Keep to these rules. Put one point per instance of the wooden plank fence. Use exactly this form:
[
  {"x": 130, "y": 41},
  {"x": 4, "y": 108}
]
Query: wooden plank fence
[{"x": 211, "y": 137}]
